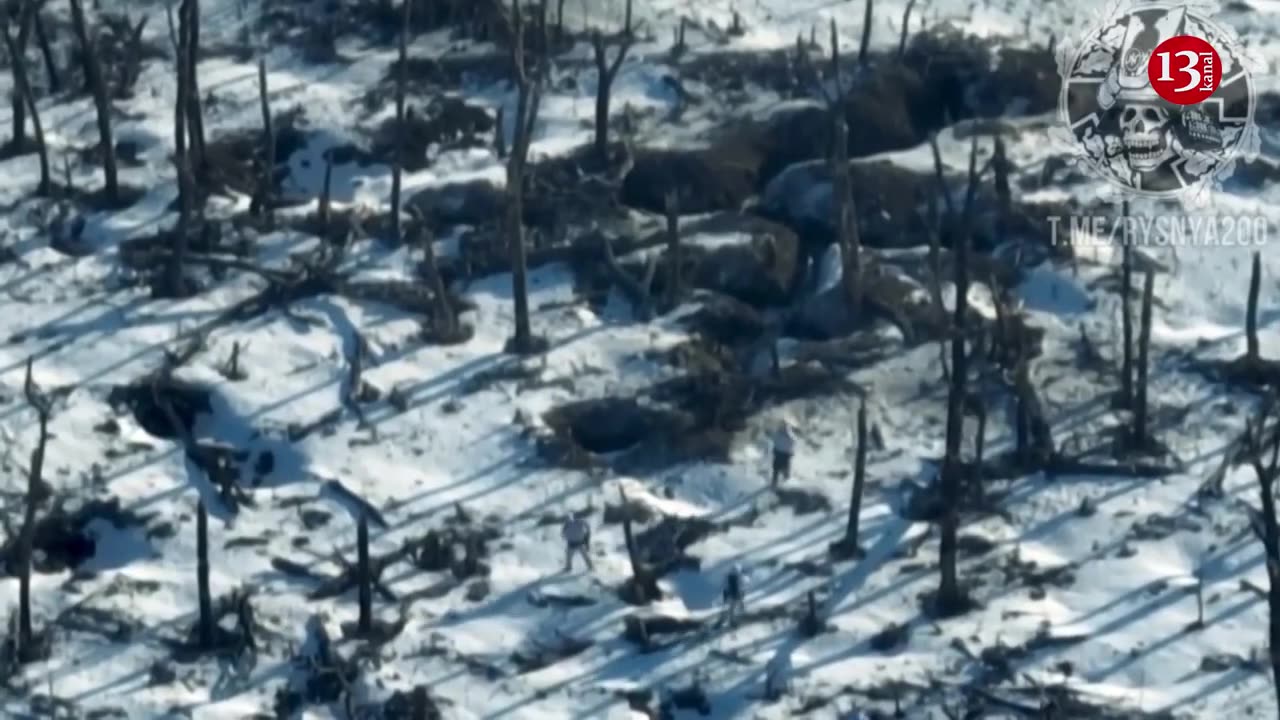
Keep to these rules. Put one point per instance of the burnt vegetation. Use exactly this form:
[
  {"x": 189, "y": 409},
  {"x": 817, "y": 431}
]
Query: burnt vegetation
[{"x": 923, "y": 261}]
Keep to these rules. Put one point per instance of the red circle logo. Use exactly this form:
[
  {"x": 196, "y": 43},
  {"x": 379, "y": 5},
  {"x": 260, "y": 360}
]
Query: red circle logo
[{"x": 1185, "y": 70}]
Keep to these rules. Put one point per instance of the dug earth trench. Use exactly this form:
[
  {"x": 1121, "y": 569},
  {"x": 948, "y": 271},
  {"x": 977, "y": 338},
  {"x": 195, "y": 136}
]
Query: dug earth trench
[{"x": 894, "y": 103}]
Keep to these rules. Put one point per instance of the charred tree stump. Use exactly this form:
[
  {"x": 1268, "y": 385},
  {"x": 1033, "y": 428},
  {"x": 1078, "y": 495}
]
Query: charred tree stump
[
  {"x": 499, "y": 134},
  {"x": 46, "y": 51},
  {"x": 28, "y": 648},
  {"x": 1253, "y": 353},
  {"x": 397, "y": 159},
  {"x": 1140, "y": 432},
  {"x": 326, "y": 191},
  {"x": 529, "y": 98},
  {"x": 419, "y": 700},
  {"x": 606, "y": 71},
  {"x": 1004, "y": 196},
  {"x": 845, "y": 220},
  {"x": 906, "y": 27},
  {"x": 866, "y": 34},
  {"x": 1126, "y": 317},
  {"x": 934, "y": 224},
  {"x": 18, "y": 102},
  {"x": 364, "y": 577},
  {"x": 1262, "y": 451},
  {"x": 246, "y": 624},
  {"x": 202, "y": 577},
  {"x": 674, "y": 280},
  {"x": 101, "y": 102},
  {"x": 22, "y": 89},
  {"x": 190, "y": 19},
  {"x": 940, "y": 179},
  {"x": 980, "y": 439},
  {"x": 848, "y": 547},
  {"x": 950, "y": 597},
  {"x": 642, "y": 588},
  {"x": 175, "y": 280},
  {"x": 267, "y": 183},
  {"x": 811, "y": 623}
]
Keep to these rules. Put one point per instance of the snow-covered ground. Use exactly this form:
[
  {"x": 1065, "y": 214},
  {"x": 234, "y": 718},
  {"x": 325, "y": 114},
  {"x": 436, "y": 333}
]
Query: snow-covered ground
[{"x": 1118, "y": 632}]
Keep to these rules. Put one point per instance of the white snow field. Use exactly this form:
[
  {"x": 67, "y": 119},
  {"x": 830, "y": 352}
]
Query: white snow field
[{"x": 1120, "y": 557}]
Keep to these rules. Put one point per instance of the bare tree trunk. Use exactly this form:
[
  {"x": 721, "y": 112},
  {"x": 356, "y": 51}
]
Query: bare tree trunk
[
  {"x": 1273, "y": 585},
  {"x": 674, "y": 281},
  {"x": 950, "y": 597},
  {"x": 175, "y": 279},
  {"x": 195, "y": 111},
  {"x": 845, "y": 220},
  {"x": 1140, "y": 436},
  {"x": 101, "y": 101},
  {"x": 326, "y": 195},
  {"x": 46, "y": 50},
  {"x": 26, "y": 632},
  {"x": 420, "y": 700},
  {"x": 1262, "y": 448},
  {"x": 1126, "y": 320},
  {"x": 906, "y": 27},
  {"x": 940, "y": 178},
  {"x": 364, "y": 580},
  {"x": 1004, "y": 195},
  {"x": 499, "y": 134},
  {"x": 22, "y": 88},
  {"x": 18, "y": 102},
  {"x": 642, "y": 582},
  {"x": 35, "y": 478},
  {"x": 980, "y": 440},
  {"x": 397, "y": 160},
  {"x": 529, "y": 98},
  {"x": 202, "y": 577},
  {"x": 866, "y": 34},
  {"x": 935, "y": 256},
  {"x": 859, "y": 479},
  {"x": 1251, "y": 312},
  {"x": 266, "y": 194},
  {"x": 605, "y": 73},
  {"x": 446, "y": 320}
]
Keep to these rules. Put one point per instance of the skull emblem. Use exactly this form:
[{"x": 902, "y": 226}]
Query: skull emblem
[{"x": 1144, "y": 131}]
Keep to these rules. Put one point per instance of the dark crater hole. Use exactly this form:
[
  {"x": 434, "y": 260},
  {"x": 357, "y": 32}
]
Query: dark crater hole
[
  {"x": 62, "y": 540},
  {"x": 608, "y": 425}
]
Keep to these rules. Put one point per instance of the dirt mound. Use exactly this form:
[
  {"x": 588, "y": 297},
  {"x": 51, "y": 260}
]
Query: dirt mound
[
  {"x": 233, "y": 159},
  {"x": 704, "y": 180},
  {"x": 893, "y": 107},
  {"x": 892, "y": 104},
  {"x": 888, "y": 198},
  {"x": 473, "y": 202},
  {"x": 745, "y": 257},
  {"x": 448, "y": 122}
]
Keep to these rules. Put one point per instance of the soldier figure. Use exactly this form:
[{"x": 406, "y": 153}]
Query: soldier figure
[
  {"x": 577, "y": 539},
  {"x": 784, "y": 445},
  {"x": 732, "y": 595}
]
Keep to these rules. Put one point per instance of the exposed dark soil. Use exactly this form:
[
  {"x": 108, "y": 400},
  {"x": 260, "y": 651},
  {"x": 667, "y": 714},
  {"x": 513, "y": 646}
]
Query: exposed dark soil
[
  {"x": 893, "y": 104},
  {"x": 187, "y": 400},
  {"x": 62, "y": 539},
  {"x": 718, "y": 178},
  {"x": 447, "y": 122}
]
